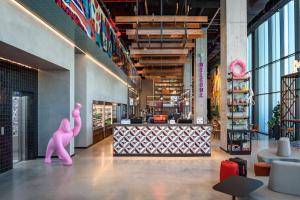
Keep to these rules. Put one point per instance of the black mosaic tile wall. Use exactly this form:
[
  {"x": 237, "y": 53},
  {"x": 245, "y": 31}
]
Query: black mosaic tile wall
[{"x": 16, "y": 78}]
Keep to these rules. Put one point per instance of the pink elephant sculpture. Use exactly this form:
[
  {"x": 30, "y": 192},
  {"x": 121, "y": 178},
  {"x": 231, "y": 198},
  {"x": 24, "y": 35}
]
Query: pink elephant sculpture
[{"x": 62, "y": 137}]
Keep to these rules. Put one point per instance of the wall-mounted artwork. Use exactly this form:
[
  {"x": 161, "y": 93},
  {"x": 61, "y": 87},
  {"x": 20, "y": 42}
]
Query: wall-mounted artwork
[{"x": 90, "y": 17}]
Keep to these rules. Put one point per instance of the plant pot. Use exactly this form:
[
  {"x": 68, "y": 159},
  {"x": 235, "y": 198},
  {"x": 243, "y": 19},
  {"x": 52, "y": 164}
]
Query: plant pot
[
  {"x": 271, "y": 135},
  {"x": 276, "y": 132}
]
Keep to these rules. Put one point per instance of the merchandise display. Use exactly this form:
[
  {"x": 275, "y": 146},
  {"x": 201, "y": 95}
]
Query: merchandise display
[
  {"x": 238, "y": 135},
  {"x": 167, "y": 93}
]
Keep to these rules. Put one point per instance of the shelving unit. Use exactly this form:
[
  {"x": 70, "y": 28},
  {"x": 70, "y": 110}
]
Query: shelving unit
[
  {"x": 166, "y": 95},
  {"x": 185, "y": 103},
  {"x": 168, "y": 87},
  {"x": 238, "y": 134},
  {"x": 290, "y": 119}
]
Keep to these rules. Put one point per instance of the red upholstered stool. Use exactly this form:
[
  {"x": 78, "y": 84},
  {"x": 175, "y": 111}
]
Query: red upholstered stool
[
  {"x": 262, "y": 169},
  {"x": 227, "y": 169}
]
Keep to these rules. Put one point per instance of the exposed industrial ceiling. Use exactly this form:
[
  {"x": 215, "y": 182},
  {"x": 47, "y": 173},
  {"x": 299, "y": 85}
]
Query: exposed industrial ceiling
[{"x": 136, "y": 35}]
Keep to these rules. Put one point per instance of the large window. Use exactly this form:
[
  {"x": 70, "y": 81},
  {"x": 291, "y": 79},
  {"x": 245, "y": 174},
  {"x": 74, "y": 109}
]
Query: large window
[{"x": 274, "y": 48}]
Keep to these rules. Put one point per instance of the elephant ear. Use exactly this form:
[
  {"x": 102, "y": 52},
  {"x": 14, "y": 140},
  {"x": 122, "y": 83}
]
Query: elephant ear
[{"x": 65, "y": 125}]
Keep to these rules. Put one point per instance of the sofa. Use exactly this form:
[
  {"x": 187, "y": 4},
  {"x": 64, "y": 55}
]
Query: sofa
[{"x": 283, "y": 183}]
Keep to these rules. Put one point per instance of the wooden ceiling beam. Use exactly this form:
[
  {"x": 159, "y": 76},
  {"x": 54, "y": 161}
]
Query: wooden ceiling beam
[
  {"x": 167, "y": 25},
  {"x": 163, "y": 70},
  {"x": 139, "y": 56},
  {"x": 172, "y": 18},
  {"x": 166, "y": 37},
  {"x": 170, "y": 71},
  {"x": 161, "y": 74},
  {"x": 164, "y": 45},
  {"x": 196, "y": 32},
  {"x": 163, "y": 61},
  {"x": 157, "y": 77},
  {"x": 160, "y": 52},
  {"x": 139, "y": 65}
]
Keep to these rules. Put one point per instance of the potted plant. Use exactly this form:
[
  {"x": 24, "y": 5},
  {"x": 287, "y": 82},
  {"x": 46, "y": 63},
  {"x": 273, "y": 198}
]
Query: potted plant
[{"x": 274, "y": 122}]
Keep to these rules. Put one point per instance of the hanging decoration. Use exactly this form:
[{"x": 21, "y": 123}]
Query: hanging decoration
[{"x": 238, "y": 72}]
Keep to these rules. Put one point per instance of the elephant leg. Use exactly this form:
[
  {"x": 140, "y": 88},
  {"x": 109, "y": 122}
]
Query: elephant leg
[
  {"x": 61, "y": 151},
  {"x": 49, "y": 152}
]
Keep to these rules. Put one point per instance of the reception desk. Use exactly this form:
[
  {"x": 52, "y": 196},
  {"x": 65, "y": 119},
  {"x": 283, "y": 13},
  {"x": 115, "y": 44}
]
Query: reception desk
[{"x": 162, "y": 140}]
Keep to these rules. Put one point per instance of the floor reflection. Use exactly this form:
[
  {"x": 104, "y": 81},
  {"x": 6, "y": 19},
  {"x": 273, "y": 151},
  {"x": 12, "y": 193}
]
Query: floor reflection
[{"x": 96, "y": 174}]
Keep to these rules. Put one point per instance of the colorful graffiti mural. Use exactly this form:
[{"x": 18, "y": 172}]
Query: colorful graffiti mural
[{"x": 90, "y": 17}]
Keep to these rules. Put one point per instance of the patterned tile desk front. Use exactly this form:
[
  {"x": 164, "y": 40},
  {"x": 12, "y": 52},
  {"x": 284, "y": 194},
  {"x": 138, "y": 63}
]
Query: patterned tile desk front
[{"x": 162, "y": 139}]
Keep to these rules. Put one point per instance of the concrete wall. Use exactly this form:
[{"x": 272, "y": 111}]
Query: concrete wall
[
  {"x": 147, "y": 90},
  {"x": 56, "y": 86},
  {"x": 54, "y": 102},
  {"x": 22, "y": 31},
  {"x": 93, "y": 83}
]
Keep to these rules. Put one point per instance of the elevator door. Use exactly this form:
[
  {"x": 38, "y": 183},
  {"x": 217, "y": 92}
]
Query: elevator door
[{"x": 19, "y": 127}]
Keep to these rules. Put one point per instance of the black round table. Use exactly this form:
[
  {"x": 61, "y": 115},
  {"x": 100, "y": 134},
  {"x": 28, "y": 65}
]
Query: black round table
[{"x": 238, "y": 186}]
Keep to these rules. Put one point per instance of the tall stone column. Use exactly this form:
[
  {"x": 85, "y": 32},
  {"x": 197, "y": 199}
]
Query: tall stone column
[
  {"x": 188, "y": 79},
  {"x": 233, "y": 46},
  {"x": 200, "y": 79},
  {"x": 297, "y": 57}
]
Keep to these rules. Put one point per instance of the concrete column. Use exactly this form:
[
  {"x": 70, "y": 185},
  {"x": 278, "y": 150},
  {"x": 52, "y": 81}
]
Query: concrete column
[
  {"x": 297, "y": 57},
  {"x": 188, "y": 78},
  {"x": 233, "y": 46},
  {"x": 297, "y": 26},
  {"x": 200, "y": 79}
]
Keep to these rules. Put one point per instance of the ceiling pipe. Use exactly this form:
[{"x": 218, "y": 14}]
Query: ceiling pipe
[
  {"x": 161, "y": 24},
  {"x": 211, "y": 21},
  {"x": 137, "y": 24},
  {"x": 146, "y": 7}
]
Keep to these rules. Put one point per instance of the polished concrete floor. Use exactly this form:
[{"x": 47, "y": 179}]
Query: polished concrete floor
[{"x": 96, "y": 174}]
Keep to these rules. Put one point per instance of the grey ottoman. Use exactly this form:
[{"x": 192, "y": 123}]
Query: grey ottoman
[{"x": 284, "y": 147}]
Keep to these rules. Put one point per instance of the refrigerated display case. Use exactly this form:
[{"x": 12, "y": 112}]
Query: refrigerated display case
[
  {"x": 108, "y": 119},
  {"x": 108, "y": 114},
  {"x": 104, "y": 115},
  {"x": 124, "y": 111},
  {"x": 98, "y": 121},
  {"x": 98, "y": 115},
  {"x": 114, "y": 112}
]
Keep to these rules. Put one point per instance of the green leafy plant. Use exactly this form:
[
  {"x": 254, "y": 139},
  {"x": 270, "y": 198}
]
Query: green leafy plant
[{"x": 275, "y": 119}]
